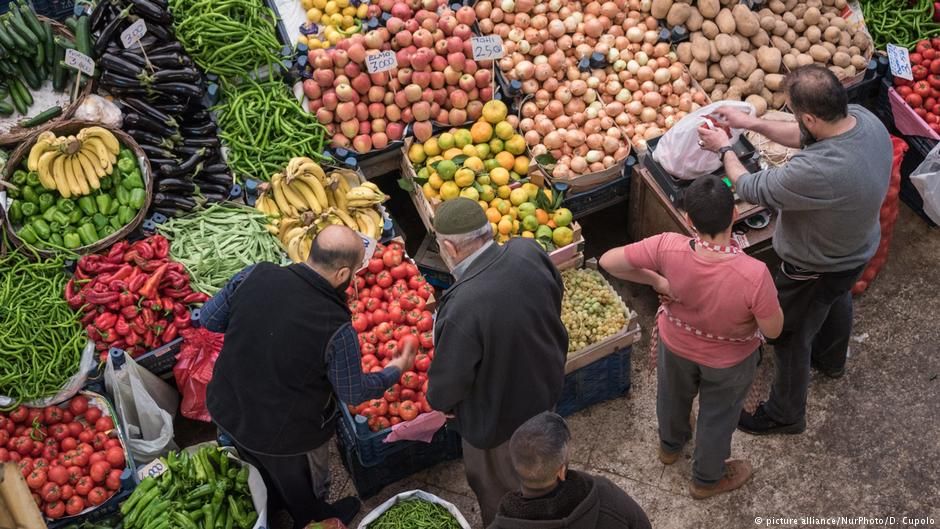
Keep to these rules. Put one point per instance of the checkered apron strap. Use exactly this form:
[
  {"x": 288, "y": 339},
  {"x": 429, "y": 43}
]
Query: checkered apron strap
[{"x": 654, "y": 335}]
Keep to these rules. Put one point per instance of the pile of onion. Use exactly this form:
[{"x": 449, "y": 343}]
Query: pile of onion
[{"x": 587, "y": 120}]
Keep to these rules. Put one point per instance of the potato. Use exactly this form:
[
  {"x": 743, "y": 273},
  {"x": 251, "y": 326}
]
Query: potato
[
  {"x": 844, "y": 39},
  {"x": 746, "y": 64},
  {"x": 841, "y": 59},
  {"x": 840, "y": 4},
  {"x": 780, "y": 44},
  {"x": 761, "y": 39},
  {"x": 738, "y": 43},
  {"x": 768, "y": 23},
  {"x": 850, "y": 71},
  {"x": 811, "y": 16},
  {"x": 713, "y": 54},
  {"x": 698, "y": 70},
  {"x": 765, "y": 12},
  {"x": 812, "y": 34},
  {"x": 791, "y": 4},
  {"x": 739, "y": 84},
  {"x": 700, "y": 49},
  {"x": 830, "y": 47},
  {"x": 814, "y": 3},
  {"x": 790, "y": 36},
  {"x": 745, "y": 20},
  {"x": 769, "y": 59},
  {"x": 755, "y": 82},
  {"x": 714, "y": 71},
  {"x": 838, "y": 22},
  {"x": 800, "y": 26},
  {"x": 789, "y": 60},
  {"x": 790, "y": 19},
  {"x": 859, "y": 62},
  {"x": 780, "y": 28},
  {"x": 861, "y": 40},
  {"x": 678, "y": 14},
  {"x": 684, "y": 52},
  {"x": 780, "y": 99},
  {"x": 725, "y": 21},
  {"x": 773, "y": 81},
  {"x": 694, "y": 23},
  {"x": 767, "y": 94},
  {"x": 707, "y": 84},
  {"x": 829, "y": 2},
  {"x": 709, "y": 8},
  {"x": 820, "y": 53},
  {"x": 733, "y": 94},
  {"x": 822, "y": 24},
  {"x": 729, "y": 66},
  {"x": 724, "y": 44},
  {"x": 804, "y": 59},
  {"x": 660, "y": 8},
  {"x": 839, "y": 72},
  {"x": 802, "y": 44},
  {"x": 717, "y": 94},
  {"x": 710, "y": 29},
  {"x": 758, "y": 102},
  {"x": 777, "y": 6}
]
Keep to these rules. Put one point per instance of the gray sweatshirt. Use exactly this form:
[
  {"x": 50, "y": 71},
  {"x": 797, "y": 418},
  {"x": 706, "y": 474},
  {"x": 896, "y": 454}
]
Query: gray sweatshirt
[{"x": 828, "y": 197}]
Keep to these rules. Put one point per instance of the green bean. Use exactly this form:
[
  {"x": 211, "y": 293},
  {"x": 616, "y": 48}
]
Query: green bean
[
  {"x": 898, "y": 22},
  {"x": 415, "y": 514}
]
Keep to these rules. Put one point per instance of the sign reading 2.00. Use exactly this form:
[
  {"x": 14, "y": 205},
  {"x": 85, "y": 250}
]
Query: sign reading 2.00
[
  {"x": 487, "y": 47},
  {"x": 381, "y": 62}
]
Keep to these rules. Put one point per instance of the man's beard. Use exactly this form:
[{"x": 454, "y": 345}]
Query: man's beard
[
  {"x": 806, "y": 137},
  {"x": 341, "y": 289}
]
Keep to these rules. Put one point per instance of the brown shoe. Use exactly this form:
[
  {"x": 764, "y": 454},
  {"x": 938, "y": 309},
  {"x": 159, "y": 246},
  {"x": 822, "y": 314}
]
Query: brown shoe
[
  {"x": 668, "y": 458},
  {"x": 737, "y": 472}
]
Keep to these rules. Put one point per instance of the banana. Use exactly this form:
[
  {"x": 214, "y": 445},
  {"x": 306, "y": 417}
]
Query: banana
[
  {"x": 44, "y": 169},
  {"x": 347, "y": 220},
  {"x": 361, "y": 203},
  {"x": 61, "y": 179},
  {"x": 366, "y": 225},
  {"x": 104, "y": 156},
  {"x": 285, "y": 226},
  {"x": 89, "y": 169},
  {"x": 294, "y": 198},
  {"x": 88, "y": 153},
  {"x": 265, "y": 205},
  {"x": 343, "y": 182},
  {"x": 294, "y": 164},
  {"x": 282, "y": 204},
  {"x": 293, "y": 250},
  {"x": 305, "y": 244},
  {"x": 316, "y": 186},
  {"x": 43, "y": 145},
  {"x": 312, "y": 168},
  {"x": 363, "y": 193},
  {"x": 104, "y": 135},
  {"x": 377, "y": 220},
  {"x": 373, "y": 187},
  {"x": 340, "y": 198},
  {"x": 78, "y": 174},
  {"x": 308, "y": 194}
]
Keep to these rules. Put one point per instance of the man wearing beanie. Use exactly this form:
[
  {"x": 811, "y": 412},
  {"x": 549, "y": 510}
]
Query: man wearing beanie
[{"x": 500, "y": 345}]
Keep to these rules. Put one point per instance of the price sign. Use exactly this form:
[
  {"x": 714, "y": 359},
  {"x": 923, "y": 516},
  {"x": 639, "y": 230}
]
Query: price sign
[
  {"x": 900, "y": 62},
  {"x": 487, "y": 47},
  {"x": 134, "y": 33},
  {"x": 79, "y": 61},
  {"x": 369, "y": 244},
  {"x": 381, "y": 62},
  {"x": 152, "y": 469}
]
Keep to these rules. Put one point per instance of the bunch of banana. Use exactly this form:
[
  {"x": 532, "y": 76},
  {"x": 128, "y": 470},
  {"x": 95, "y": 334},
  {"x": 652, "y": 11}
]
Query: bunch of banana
[
  {"x": 366, "y": 195},
  {"x": 74, "y": 165}
]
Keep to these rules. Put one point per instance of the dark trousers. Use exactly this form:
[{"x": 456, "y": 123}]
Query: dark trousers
[
  {"x": 817, "y": 311},
  {"x": 491, "y": 475},
  {"x": 721, "y": 396}
]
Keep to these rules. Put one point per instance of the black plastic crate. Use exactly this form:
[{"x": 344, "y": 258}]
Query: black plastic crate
[
  {"x": 161, "y": 360},
  {"x": 602, "y": 380},
  {"x": 601, "y": 197},
  {"x": 369, "y": 446},
  {"x": 431, "y": 266},
  {"x": 919, "y": 148},
  {"x": 55, "y": 9}
]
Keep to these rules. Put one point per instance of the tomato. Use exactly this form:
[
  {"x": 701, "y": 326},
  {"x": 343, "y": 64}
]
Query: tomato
[
  {"x": 83, "y": 486},
  {"x": 395, "y": 313},
  {"x": 383, "y": 423},
  {"x": 393, "y": 408},
  {"x": 55, "y": 509},
  {"x": 115, "y": 457},
  {"x": 67, "y": 416},
  {"x": 416, "y": 282},
  {"x": 34, "y": 416},
  {"x": 379, "y": 316},
  {"x": 383, "y": 332},
  {"x": 50, "y": 492},
  {"x": 99, "y": 471},
  {"x": 407, "y": 411},
  {"x": 86, "y": 436},
  {"x": 113, "y": 443},
  {"x": 104, "y": 424},
  {"x": 97, "y": 496},
  {"x": 426, "y": 339},
  {"x": 378, "y": 406},
  {"x": 426, "y": 322},
  {"x": 914, "y": 100},
  {"x": 929, "y": 103},
  {"x": 113, "y": 482},
  {"x": 391, "y": 394},
  {"x": 408, "y": 394},
  {"x": 394, "y": 420},
  {"x": 919, "y": 72},
  {"x": 422, "y": 362},
  {"x": 92, "y": 415},
  {"x": 67, "y": 491},
  {"x": 931, "y": 118},
  {"x": 359, "y": 322},
  {"x": 74, "y": 505},
  {"x": 52, "y": 415},
  {"x": 4, "y": 455},
  {"x": 19, "y": 415},
  {"x": 4, "y": 437},
  {"x": 424, "y": 405},
  {"x": 80, "y": 459},
  {"x": 370, "y": 278},
  {"x": 369, "y": 337},
  {"x": 94, "y": 458},
  {"x": 391, "y": 259},
  {"x": 15, "y": 456},
  {"x": 75, "y": 428},
  {"x": 399, "y": 271},
  {"x": 409, "y": 343},
  {"x": 23, "y": 445},
  {"x": 390, "y": 349},
  {"x": 58, "y": 474},
  {"x": 377, "y": 292},
  {"x": 36, "y": 479},
  {"x": 375, "y": 265},
  {"x": 25, "y": 465},
  {"x": 50, "y": 452},
  {"x": 934, "y": 126},
  {"x": 915, "y": 58},
  {"x": 384, "y": 279}
]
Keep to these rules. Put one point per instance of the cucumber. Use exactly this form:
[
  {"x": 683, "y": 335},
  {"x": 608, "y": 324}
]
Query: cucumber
[
  {"x": 60, "y": 76},
  {"x": 6, "y": 41},
  {"x": 4, "y": 93},
  {"x": 32, "y": 21},
  {"x": 40, "y": 58},
  {"x": 83, "y": 36},
  {"x": 29, "y": 73},
  {"x": 71, "y": 23},
  {"x": 50, "y": 44},
  {"x": 19, "y": 42},
  {"x": 16, "y": 96},
  {"x": 19, "y": 24},
  {"x": 64, "y": 43},
  {"x": 8, "y": 69},
  {"x": 5, "y": 108},
  {"x": 41, "y": 117},
  {"x": 25, "y": 95}
]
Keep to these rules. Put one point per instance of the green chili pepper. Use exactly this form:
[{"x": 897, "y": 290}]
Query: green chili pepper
[
  {"x": 88, "y": 234},
  {"x": 32, "y": 179},
  {"x": 27, "y": 234},
  {"x": 71, "y": 240},
  {"x": 30, "y": 195},
  {"x": 46, "y": 200},
  {"x": 87, "y": 205},
  {"x": 16, "y": 212},
  {"x": 132, "y": 180},
  {"x": 41, "y": 227}
]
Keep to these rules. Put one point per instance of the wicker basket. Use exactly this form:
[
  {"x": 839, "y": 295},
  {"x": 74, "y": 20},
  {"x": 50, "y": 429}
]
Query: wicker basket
[
  {"x": 67, "y": 128},
  {"x": 17, "y": 134}
]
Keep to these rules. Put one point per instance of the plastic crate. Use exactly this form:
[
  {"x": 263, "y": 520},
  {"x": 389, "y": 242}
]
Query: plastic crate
[
  {"x": 415, "y": 457},
  {"x": 55, "y": 9},
  {"x": 919, "y": 148},
  {"x": 602, "y": 197},
  {"x": 602, "y": 380},
  {"x": 161, "y": 360},
  {"x": 369, "y": 446}
]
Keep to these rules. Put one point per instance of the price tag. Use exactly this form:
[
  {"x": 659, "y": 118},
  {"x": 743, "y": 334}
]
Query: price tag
[
  {"x": 79, "y": 61},
  {"x": 134, "y": 33},
  {"x": 152, "y": 469},
  {"x": 369, "y": 245},
  {"x": 900, "y": 62},
  {"x": 487, "y": 47},
  {"x": 381, "y": 62}
]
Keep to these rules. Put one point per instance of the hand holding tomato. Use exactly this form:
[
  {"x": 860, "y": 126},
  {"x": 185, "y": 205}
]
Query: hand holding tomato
[{"x": 405, "y": 359}]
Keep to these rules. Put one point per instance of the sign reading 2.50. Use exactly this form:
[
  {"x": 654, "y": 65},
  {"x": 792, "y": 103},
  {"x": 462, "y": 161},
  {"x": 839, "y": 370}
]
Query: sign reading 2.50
[{"x": 487, "y": 47}]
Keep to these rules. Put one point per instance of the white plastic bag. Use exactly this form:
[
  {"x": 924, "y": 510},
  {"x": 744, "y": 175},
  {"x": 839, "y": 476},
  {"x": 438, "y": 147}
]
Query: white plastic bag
[
  {"x": 74, "y": 384},
  {"x": 97, "y": 108},
  {"x": 412, "y": 495},
  {"x": 145, "y": 406},
  {"x": 678, "y": 151},
  {"x": 926, "y": 178}
]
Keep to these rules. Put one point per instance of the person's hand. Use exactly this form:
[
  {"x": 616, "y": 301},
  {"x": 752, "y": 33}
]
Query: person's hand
[
  {"x": 712, "y": 139},
  {"x": 664, "y": 289},
  {"x": 405, "y": 359},
  {"x": 734, "y": 118}
]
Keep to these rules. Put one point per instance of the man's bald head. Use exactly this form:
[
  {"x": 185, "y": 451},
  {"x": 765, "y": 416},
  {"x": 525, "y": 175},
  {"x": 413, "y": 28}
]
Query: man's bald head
[{"x": 335, "y": 248}]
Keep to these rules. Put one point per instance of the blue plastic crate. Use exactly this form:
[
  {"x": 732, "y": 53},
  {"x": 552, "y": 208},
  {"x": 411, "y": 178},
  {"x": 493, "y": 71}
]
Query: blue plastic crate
[
  {"x": 369, "y": 447},
  {"x": 602, "y": 380}
]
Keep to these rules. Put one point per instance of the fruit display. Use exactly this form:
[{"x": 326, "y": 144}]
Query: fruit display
[
  {"x": 435, "y": 79},
  {"x": 389, "y": 301},
  {"x": 304, "y": 199},
  {"x": 329, "y": 21},
  {"x": 580, "y": 62},
  {"x": 76, "y": 190},
  {"x": 133, "y": 297},
  {"x": 71, "y": 455},
  {"x": 590, "y": 309},
  {"x": 923, "y": 92}
]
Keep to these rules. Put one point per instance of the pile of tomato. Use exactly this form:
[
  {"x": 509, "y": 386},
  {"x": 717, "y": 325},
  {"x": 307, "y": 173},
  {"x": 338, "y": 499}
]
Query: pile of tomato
[
  {"x": 70, "y": 455},
  {"x": 389, "y": 301},
  {"x": 923, "y": 92}
]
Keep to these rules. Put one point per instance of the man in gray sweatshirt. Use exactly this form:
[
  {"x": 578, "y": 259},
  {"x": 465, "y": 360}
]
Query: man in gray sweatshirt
[{"x": 828, "y": 198}]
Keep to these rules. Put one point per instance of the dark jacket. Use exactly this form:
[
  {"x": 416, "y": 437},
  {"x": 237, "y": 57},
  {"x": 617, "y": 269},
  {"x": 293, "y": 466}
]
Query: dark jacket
[
  {"x": 582, "y": 501},
  {"x": 500, "y": 345},
  {"x": 270, "y": 390}
]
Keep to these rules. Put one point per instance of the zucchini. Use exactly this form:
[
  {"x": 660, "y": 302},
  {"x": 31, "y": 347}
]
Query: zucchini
[
  {"x": 25, "y": 94},
  {"x": 71, "y": 23},
  {"x": 83, "y": 36},
  {"x": 50, "y": 44},
  {"x": 32, "y": 21},
  {"x": 18, "y": 24},
  {"x": 4, "y": 93},
  {"x": 8, "y": 69},
  {"x": 60, "y": 77},
  {"x": 6, "y": 40},
  {"x": 16, "y": 96},
  {"x": 42, "y": 117},
  {"x": 5, "y": 108},
  {"x": 18, "y": 41},
  {"x": 29, "y": 73},
  {"x": 40, "y": 58}
]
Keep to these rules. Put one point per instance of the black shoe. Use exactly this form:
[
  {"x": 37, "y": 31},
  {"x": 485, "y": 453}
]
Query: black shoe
[
  {"x": 761, "y": 424},
  {"x": 346, "y": 509},
  {"x": 830, "y": 373}
]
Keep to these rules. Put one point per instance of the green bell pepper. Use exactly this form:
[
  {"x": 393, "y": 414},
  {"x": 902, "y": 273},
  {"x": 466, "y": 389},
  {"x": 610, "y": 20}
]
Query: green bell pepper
[
  {"x": 71, "y": 240},
  {"x": 99, "y": 220},
  {"x": 65, "y": 205},
  {"x": 106, "y": 230},
  {"x": 14, "y": 192},
  {"x": 15, "y": 212},
  {"x": 103, "y": 202},
  {"x": 87, "y": 205},
  {"x": 27, "y": 234},
  {"x": 32, "y": 179},
  {"x": 138, "y": 196},
  {"x": 133, "y": 180},
  {"x": 41, "y": 227},
  {"x": 125, "y": 214},
  {"x": 56, "y": 239},
  {"x": 30, "y": 195},
  {"x": 106, "y": 183},
  {"x": 54, "y": 227},
  {"x": 123, "y": 195},
  {"x": 113, "y": 208},
  {"x": 75, "y": 216},
  {"x": 126, "y": 165},
  {"x": 126, "y": 154},
  {"x": 49, "y": 214},
  {"x": 115, "y": 221},
  {"x": 29, "y": 209},
  {"x": 19, "y": 178},
  {"x": 88, "y": 234},
  {"x": 46, "y": 201}
]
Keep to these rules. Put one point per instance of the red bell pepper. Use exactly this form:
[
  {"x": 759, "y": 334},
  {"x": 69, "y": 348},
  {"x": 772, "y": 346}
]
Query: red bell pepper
[
  {"x": 132, "y": 338},
  {"x": 182, "y": 321},
  {"x": 129, "y": 312},
  {"x": 105, "y": 321},
  {"x": 135, "y": 283},
  {"x": 161, "y": 246},
  {"x": 144, "y": 249},
  {"x": 114, "y": 306},
  {"x": 196, "y": 297},
  {"x": 169, "y": 334},
  {"x": 126, "y": 299},
  {"x": 137, "y": 325},
  {"x": 89, "y": 317},
  {"x": 130, "y": 256},
  {"x": 117, "y": 285},
  {"x": 121, "y": 327}
]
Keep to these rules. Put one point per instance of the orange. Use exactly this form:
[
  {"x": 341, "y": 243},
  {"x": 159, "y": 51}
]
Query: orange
[
  {"x": 493, "y": 215},
  {"x": 542, "y": 216},
  {"x": 506, "y": 160},
  {"x": 481, "y": 132},
  {"x": 552, "y": 225}
]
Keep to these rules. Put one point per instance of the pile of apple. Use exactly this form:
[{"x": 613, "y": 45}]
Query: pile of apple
[
  {"x": 389, "y": 300},
  {"x": 436, "y": 79}
]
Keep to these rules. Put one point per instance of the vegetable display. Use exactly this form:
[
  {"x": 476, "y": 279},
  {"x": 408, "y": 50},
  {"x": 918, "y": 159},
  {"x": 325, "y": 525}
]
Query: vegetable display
[
  {"x": 63, "y": 203},
  {"x": 202, "y": 489},
  {"x": 330, "y": 21},
  {"x": 923, "y": 92},
  {"x": 263, "y": 128},
  {"x": 42, "y": 339},
  {"x": 303, "y": 200},
  {"x": 70, "y": 454},
  {"x": 132, "y": 297},
  {"x": 416, "y": 514},
  {"x": 590, "y": 309},
  {"x": 229, "y": 38},
  {"x": 901, "y": 22},
  {"x": 216, "y": 243},
  {"x": 436, "y": 78},
  {"x": 389, "y": 300}
]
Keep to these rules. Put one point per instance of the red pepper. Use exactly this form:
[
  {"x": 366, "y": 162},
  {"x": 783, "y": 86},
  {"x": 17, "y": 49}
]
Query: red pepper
[
  {"x": 156, "y": 304},
  {"x": 150, "y": 339},
  {"x": 89, "y": 317},
  {"x": 137, "y": 325},
  {"x": 98, "y": 286},
  {"x": 117, "y": 285},
  {"x": 179, "y": 308},
  {"x": 169, "y": 334},
  {"x": 129, "y": 312},
  {"x": 105, "y": 321},
  {"x": 149, "y": 289},
  {"x": 135, "y": 283},
  {"x": 131, "y": 256},
  {"x": 176, "y": 293},
  {"x": 92, "y": 333},
  {"x": 148, "y": 316},
  {"x": 101, "y": 346},
  {"x": 182, "y": 321},
  {"x": 150, "y": 266},
  {"x": 132, "y": 338},
  {"x": 121, "y": 327},
  {"x": 161, "y": 246},
  {"x": 101, "y": 298},
  {"x": 196, "y": 297},
  {"x": 120, "y": 343},
  {"x": 107, "y": 336},
  {"x": 144, "y": 249},
  {"x": 80, "y": 274},
  {"x": 178, "y": 268},
  {"x": 126, "y": 299},
  {"x": 123, "y": 272},
  {"x": 114, "y": 306}
]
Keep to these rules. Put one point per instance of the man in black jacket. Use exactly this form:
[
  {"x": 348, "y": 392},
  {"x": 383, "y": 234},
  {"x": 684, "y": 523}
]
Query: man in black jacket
[
  {"x": 290, "y": 359},
  {"x": 553, "y": 497},
  {"x": 500, "y": 345}
]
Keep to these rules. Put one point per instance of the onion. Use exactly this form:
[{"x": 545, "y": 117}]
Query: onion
[
  {"x": 651, "y": 36},
  {"x": 644, "y": 73},
  {"x": 635, "y": 107},
  {"x": 661, "y": 76},
  {"x": 579, "y": 164},
  {"x": 532, "y": 138},
  {"x": 552, "y": 140},
  {"x": 524, "y": 70},
  {"x": 635, "y": 34},
  {"x": 594, "y": 156},
  {"x": 624, "y": 96},
  {"x": 652, "y": 99},
  {"x": 641, "y": 58},
  {"x": 648, "y": 115}
]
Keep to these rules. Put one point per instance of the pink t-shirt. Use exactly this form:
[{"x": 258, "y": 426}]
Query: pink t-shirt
[{"x": 722, "y": 298}]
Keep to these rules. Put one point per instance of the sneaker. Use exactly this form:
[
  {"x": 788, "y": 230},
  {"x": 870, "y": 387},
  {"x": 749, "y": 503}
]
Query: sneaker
[
  {"x": 737, "y": 472},
  {"x": 830, "y": 373},
  {"x": 761, "y": 424},
  {"x": 346, "y": 509},
  {"x": 668, "y": 458}
]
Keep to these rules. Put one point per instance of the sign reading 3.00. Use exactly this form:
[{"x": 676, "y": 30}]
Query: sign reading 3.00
[
  {"x": 487, "y": 47},
  {"x": 134, "y": 33},
  {"x": 79, "y": 61},
  {"x": 381, "y": 62}
]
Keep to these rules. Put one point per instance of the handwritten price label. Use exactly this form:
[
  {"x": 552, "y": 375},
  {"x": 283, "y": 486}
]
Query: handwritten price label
[
  {"x": 134, "y": 33},
  {"x": 900, "y": 62},
  {"x": 152, "y": 469},
  {"x": 381, "y": 62},
  {"x": 487, "y": 47},
  {"x": 79, "y": 61}
]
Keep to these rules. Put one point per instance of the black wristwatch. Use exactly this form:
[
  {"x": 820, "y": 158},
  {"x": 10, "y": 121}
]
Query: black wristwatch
[{"x": 723, "y": 150}]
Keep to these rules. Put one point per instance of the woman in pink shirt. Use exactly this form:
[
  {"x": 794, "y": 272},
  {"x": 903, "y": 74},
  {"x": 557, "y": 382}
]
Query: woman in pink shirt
[{"x": 717, "y": 302}]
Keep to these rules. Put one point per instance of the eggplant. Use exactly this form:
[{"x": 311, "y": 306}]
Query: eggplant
[
  {"x": 168, "y": 211},
  {"x": 200, "y": 130},
  {"x": 201, "y": 142},
  {"x": 214, "y": 188},
  {"x": 110, "y": 78},
  {"x": 148, "y": 110},
  {"x": 167, "y": 199},
  {"x": 173, "y": 46},
  {"x": 151, "y": 12},
  {"x": 215, "y": 168},
  {"x": 156, "y": 152},
  {"x": 142, "y": 136},
  {"x": 186, "y": 167},
  {"x": 119, "y": 65},
  {"x": 156, "y": 162},
  {"x": 198, "y": 117},
  {"x": 180, "y": 89},
  {"x": 160, "y": 33},
  {"x": 107, "y": 34},
  {"x": 142, "y": 122},
  {"x": 100, "y": 15},
  {"x": 184, "y": 75},
  {"x": 169, "y": 105},
  {"x": 215, "y": 197},
  {"x": 175, "y": 185},
  {"x": 215, "y": 179}
]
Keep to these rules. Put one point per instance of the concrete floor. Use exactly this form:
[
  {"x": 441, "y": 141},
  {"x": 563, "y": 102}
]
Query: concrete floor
[{"x": 872, "y": 445}]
